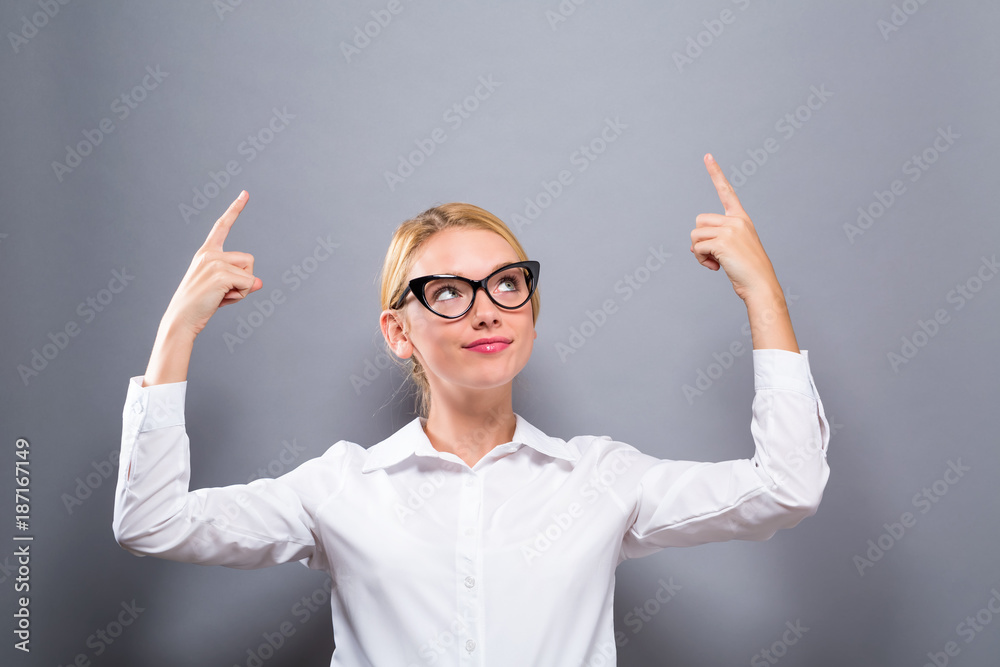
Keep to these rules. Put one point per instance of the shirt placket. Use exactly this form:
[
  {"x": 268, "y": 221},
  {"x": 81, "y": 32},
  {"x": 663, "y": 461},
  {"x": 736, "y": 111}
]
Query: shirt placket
[{"x": 469, "y": 568}]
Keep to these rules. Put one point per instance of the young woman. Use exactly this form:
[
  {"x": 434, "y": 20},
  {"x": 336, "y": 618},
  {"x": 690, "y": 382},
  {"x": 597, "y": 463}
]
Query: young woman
[{"x": 469, "y": 536}]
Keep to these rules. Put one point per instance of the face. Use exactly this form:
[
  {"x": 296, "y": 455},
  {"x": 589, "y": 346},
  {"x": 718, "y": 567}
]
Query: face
[{"x": 444, "y": 347}]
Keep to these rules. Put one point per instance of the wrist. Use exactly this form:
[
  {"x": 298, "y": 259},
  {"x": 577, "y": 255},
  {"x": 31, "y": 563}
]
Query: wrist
[
  {"x": 767, "y": 295},
  {"x": 171, "y": 354},
  {"x": 175, "y": 329}
]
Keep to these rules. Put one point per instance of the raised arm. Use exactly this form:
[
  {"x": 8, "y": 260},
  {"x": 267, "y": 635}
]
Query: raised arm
[
  {"x": 245, "y": 526},
  {"x": 730, "y": 240},
  {"x": 214, "y": 279},
  {"x": 684, "y": 503}
]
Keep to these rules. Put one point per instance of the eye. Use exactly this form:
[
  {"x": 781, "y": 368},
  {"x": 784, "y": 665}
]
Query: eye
[
  {"x": 445, "y": 293},
  {"x": 510, "y": 282}
]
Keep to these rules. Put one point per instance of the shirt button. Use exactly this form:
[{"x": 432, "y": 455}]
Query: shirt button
[
  {"x": 470, "y": 481},
  {"x": 470, "y": 582},
  {"x": 470, "y": 531},
  {"x": 470, "y": 646},
  {"x": 137, "y": 408}
]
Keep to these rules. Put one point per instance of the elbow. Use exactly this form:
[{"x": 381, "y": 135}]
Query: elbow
[
  {"x": 803, "y": 510},
  {"x": 128, "y": 536},
  {"x": 801, "y": 502},
  {"x": 800, "y": 491},
  {"x": 123, "y": 536}
]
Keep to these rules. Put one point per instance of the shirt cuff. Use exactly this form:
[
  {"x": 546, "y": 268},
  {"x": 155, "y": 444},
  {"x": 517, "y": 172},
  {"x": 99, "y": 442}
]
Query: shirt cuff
[
  {"x": 782, "y": 369},
  {"x": 157, "y": 406}
]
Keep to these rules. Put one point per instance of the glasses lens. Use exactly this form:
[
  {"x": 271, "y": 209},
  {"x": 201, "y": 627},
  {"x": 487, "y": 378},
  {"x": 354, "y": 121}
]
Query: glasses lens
[
  {"x": 511, "y": 288},
  {"x": 449, "y": 297}
]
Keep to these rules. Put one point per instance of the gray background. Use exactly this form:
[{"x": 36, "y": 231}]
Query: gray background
[{"x": 853, "y": 300}]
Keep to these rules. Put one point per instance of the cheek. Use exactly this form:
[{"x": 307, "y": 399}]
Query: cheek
[{"x": 428, "y": 338}]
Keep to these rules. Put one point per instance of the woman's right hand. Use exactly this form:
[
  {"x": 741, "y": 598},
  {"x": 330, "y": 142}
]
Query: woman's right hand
[{"x": 215, "y": 277}]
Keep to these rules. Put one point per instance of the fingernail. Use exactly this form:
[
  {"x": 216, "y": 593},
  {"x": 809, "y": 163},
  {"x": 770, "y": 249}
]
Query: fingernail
[{"x": 242, "y": 196}]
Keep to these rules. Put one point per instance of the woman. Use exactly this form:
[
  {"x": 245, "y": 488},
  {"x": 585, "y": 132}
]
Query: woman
[{"x": 469, "y": 536}]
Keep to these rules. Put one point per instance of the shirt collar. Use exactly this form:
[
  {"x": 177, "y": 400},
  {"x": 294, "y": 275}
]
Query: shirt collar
[{"x": 412, "y": 441}]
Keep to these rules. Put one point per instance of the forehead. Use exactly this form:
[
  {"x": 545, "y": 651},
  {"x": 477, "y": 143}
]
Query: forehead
[{"x": 473, "y": 253}]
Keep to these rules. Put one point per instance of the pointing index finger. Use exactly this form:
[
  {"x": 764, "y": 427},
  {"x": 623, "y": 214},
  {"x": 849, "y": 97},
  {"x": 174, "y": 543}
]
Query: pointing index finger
[
  {"x": 220, "y": 230},
  {"x": 730, "y": 202}
]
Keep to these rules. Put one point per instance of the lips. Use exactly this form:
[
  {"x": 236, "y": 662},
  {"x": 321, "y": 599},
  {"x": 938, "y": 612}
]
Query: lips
[
  {"x": 484, "y": 341},
  {"x": 494, "y": 344}
]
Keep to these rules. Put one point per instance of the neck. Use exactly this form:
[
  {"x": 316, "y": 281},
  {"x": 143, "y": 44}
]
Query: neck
[{"x": 470, "y": 426}]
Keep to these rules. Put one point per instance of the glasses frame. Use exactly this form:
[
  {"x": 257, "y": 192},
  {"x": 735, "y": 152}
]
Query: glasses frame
[{"x": 416, "y": 286}]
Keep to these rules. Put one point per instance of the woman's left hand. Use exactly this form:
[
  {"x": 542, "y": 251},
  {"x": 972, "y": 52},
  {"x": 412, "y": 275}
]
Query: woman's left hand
[{"x": 729, "y": 240}]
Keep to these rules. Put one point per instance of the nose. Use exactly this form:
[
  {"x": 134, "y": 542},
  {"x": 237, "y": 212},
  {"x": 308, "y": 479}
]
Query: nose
[{"x": 483, "y": 308}]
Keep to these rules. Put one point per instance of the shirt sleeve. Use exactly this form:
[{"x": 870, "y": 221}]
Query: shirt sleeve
[
  {"x": 685, "y": 503},
  {"x": 263, "y": 523}
]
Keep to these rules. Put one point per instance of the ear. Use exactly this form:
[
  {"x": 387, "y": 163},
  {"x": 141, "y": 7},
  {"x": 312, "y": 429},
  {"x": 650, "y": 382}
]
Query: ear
[{"x": 394, "y": 331}]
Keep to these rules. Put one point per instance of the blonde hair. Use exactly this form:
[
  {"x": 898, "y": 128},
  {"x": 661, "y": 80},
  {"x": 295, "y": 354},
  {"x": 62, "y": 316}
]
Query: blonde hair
[{"x": 407, "y": 240}]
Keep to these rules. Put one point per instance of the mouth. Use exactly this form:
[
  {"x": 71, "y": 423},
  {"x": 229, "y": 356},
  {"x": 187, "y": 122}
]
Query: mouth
[{"x": 488, "y": 345}]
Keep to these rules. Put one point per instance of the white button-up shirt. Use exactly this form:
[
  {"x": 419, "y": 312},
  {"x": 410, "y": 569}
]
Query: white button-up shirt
[{"x": 509, "y": 562}]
